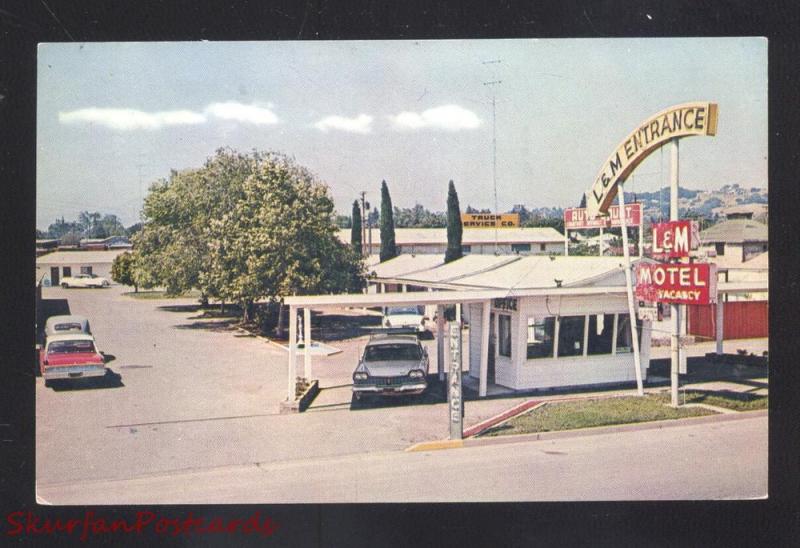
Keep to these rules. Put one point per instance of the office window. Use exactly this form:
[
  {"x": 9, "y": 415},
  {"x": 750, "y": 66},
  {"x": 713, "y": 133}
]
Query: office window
[
  {"x": 570, "y": 335},
  {"x": 66, "y": 271},
  {"x": 516, "y": 248},
  {"x": 466, "y": 249},
  {"x": 624, "y": 339},
  {"x": 720, "y": 248},
  {"x": 504, "y": 335},
  {"x": 542, "y": 247},
  {"x": 601, "y": 334},
  {"x": 86, "y": 270},
  {"x": 541, "y": 334}
]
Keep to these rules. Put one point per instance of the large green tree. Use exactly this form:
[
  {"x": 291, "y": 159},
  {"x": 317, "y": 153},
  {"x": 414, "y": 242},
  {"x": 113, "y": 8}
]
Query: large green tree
[
  {"x": 355, "y": 230},
  {"x": 388, "y": 246},
  {"x": 245, "y": 228},
  {"x": 454, "y": 228}
]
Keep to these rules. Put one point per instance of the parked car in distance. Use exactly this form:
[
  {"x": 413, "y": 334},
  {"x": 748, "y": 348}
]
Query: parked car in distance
[
  {"x": 70, "y": 356},
  {"x": 404, "y": 319},
  {"x": 58, "y": 325},
  {"x": 84, "y": 280},
  {"x": 391, "y": 365}
]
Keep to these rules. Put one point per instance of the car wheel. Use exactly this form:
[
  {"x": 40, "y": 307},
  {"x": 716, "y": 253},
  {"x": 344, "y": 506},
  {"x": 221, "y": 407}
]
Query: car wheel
[
  {"x": 47, "y": 383},
  {"x": 64, "y": 286}
]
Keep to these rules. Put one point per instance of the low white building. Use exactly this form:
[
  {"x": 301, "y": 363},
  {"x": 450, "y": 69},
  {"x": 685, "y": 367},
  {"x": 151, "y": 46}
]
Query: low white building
[
  {"x": 60, "y": 264},
  {"x": 736, "y": 239},
  {"x": 522, "y": 241}
]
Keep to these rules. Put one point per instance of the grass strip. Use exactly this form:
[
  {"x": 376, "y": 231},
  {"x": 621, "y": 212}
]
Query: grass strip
[
  {"x": 156, "y": 294},
  {"x": 594, "y": 412},
  {"x": 736, "y": 401}
]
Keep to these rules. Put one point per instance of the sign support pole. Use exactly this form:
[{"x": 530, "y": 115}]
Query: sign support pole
[
  {"x": 675, "y": 311},
  {"x": 600, "y": 242},
  {"x": 566, "y": 242},
  {"x": 629, "y": 286}
]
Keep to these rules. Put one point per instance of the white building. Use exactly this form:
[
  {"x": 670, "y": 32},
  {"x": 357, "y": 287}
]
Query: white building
[
  {"x": 522, "y": 241},
  {"x": 59, "y": 264}
]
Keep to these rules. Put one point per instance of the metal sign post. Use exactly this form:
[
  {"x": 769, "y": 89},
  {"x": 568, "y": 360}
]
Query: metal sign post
[
  {"x": 637, "y": 363},
  {"x": 454, "y": 396},
  {"x": 674, "y": 309}
]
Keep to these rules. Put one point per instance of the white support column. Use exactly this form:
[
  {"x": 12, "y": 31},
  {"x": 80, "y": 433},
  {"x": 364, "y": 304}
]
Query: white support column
[
  {"x": 404, "y": 288},
  {"x": 600, "y": 243},
  {"x": 382, "y": 288},
  {"x": 440, "y": 334},
  {"x": 292, "y": 373},
  {"x": 484, "y": 371},
  {"x": 307, "y": 341},
  {"x": 720, "y": 320},
  {"x": 674, "y": 309},
  {"x": 566, "y": 242},
  {"x": 637, "y": 362}
]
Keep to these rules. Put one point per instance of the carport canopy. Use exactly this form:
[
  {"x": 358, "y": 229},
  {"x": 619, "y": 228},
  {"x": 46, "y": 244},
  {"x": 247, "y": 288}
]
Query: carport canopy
[{"x": 441, "y": 298}]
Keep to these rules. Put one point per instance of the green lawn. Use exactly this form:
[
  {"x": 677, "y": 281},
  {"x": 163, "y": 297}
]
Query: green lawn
[
  {"x": 738, "y": 401},
  {"x": 594, "y": 412}
]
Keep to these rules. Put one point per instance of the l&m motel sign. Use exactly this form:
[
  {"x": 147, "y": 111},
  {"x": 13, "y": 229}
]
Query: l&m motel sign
[
  {"x": 699, "y": 118},
  {"x": 677, "y": 283},
  {"x": 675, "y": 239}
]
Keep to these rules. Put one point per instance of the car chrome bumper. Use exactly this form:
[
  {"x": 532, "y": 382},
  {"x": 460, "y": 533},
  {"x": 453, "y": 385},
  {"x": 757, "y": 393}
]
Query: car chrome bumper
[
  {"x": 76, "y": 372},
  {"x": 409, "y": 388}
]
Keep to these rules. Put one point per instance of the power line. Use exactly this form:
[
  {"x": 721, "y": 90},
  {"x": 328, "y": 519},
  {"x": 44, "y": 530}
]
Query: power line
[{"x": 494, "y": 144}]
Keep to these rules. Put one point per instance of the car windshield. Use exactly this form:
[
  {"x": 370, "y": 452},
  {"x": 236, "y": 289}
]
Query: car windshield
[
  {"x": 68, "y": 327},
  {"x": 397, "y": 310},
  {"x": 390, "y": 352},
  {"x": 69, "y": 347}
]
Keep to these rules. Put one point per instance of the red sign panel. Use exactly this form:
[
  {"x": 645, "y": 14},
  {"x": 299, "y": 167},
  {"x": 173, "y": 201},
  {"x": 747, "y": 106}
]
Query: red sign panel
[
  {"x": 677, "y": 283},
  {"x": 576, "y": 217},
  {"x": 675, "y": 239}
]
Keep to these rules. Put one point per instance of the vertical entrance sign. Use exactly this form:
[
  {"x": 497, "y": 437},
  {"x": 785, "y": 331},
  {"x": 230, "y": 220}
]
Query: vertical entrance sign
[{"x": 454, "y": 396}]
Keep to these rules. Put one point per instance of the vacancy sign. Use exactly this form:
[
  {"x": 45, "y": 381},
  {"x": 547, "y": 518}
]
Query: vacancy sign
[
  {"x": 576, "y": 218},
  {"x": 676, "y": 283},
  {"x": 675, "y": 239}
]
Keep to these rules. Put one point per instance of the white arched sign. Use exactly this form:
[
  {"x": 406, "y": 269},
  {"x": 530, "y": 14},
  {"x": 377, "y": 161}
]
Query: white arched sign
[{"x": 677, "y": 121}]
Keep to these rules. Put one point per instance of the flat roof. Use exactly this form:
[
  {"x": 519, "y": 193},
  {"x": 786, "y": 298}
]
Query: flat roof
[
  {"x": 472, "y": 296},
  {"x": 470, "y": 236},
  {"x": 76, "y": 257},
  {"x": 405, "y": 264}
]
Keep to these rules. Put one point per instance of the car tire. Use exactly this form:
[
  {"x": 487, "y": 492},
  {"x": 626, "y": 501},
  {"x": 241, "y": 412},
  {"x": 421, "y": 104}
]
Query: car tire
[
  {"x": 48, "y": 384},
  {"x": 64, "y": 286}
]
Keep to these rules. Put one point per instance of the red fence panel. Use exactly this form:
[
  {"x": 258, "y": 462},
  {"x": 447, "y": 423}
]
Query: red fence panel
[{"x": 742, "y": 320}]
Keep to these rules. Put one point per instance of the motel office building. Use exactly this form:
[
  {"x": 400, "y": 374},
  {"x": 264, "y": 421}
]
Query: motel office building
[{"x": 557, "y": 321}]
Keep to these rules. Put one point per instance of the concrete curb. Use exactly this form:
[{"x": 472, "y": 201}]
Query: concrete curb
[{"x": 582, "y": 432}]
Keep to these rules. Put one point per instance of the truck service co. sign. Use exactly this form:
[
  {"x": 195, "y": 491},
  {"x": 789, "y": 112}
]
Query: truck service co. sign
[
  {"x": 488, "y": 220},
  {"x": 677, "y": 283},
  {"x": 677, "y": 121}
]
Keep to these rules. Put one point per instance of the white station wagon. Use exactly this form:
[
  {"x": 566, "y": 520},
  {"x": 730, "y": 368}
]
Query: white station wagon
[{"x": 84, "y": 280}]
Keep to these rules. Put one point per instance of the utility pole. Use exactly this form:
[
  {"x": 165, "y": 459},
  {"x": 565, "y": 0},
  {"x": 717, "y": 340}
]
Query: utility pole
[
  {"x": 141, "y": 201},
  {"x": 363, "y": 227},
  {"x": 494, "y": 147}
]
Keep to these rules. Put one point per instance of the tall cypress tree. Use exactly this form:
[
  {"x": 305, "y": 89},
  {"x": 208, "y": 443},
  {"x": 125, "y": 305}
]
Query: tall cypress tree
[
  {"x": 388, "y": 247},
  {"x": 355, "y": 229},
  {"x": 454, "y": 228}
]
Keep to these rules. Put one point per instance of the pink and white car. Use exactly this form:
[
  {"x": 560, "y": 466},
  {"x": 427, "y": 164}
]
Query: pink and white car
[
  {"x": 84, "y": 280},
  {"x": 70, "y": 356}
]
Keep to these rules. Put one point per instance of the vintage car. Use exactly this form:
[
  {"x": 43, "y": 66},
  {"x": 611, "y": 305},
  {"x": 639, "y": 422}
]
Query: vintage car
[
  {"x": 391, "y": 365},
  {"x": 58, "y": 325},
  {"x": 70, "y": 356},
  {"x": 404, "y": 319},
  {"x": 84, "y": 280}
]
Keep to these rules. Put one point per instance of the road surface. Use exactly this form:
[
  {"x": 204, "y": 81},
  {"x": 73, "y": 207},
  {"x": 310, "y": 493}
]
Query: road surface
[{"x": 722, "y": 460}]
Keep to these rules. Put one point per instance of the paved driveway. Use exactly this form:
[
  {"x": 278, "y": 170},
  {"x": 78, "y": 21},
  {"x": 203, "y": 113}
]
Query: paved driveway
[{"x": 187, "y": 393}]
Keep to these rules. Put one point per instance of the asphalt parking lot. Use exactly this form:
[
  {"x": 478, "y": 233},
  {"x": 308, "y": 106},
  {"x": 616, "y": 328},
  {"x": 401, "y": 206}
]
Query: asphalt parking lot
[{"x": 187, "y": 393}]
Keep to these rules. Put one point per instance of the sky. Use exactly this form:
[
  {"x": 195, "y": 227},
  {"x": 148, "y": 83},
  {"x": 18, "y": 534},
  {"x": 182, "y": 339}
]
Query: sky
[{"x": 114, "y": 117}]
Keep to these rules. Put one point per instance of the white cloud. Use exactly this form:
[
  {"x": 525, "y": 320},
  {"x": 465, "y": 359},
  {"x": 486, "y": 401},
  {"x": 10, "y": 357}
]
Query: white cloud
[
  {"x": 128, "y": 119},
  {"x": 447, "y": 117},
  {"x": 252, "y": 114},
  {"x": 360, "y": 124}
]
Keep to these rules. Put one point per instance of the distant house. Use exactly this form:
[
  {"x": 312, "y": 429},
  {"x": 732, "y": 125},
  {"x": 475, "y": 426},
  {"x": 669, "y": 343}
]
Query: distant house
[
  {"x": 520, "y": 241},
  {"x": 735, "y": 239},
  {"x": 52, "y": 267},
  {"x": 46, "y": 246},
  {"x": 112, "y": 242},
  {"x": 756, "y": 212}
]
